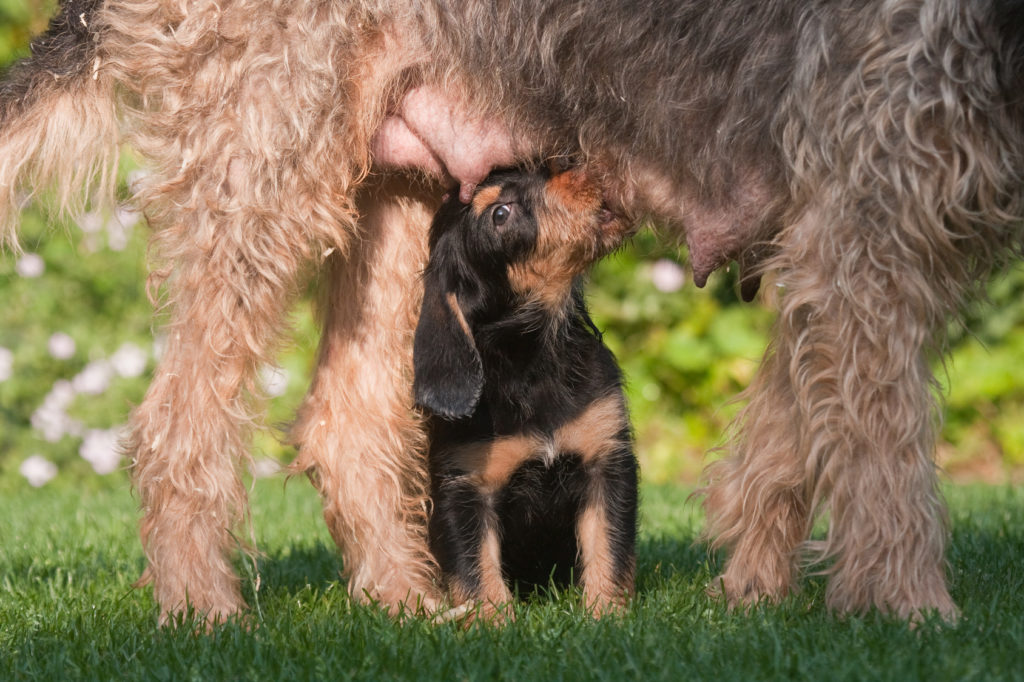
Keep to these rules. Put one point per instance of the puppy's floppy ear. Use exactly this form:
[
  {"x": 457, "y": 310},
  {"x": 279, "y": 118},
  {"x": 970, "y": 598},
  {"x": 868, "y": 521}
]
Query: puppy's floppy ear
[{"x": 448, "y": 373}]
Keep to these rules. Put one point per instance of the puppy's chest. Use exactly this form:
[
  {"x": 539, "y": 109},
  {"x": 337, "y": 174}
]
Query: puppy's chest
[{"x": 490, "y": 463}]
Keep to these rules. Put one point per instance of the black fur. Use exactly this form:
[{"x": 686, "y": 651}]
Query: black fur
[
  {"x": 65, "y": 51},
  {"x": 523, "y": 369}
]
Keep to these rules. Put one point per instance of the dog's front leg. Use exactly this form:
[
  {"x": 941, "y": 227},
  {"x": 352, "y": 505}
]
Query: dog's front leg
[
  {"x": 606, "y": 525},
  {"x": 606, "y": 531},
  {"x": 358, "y": 436},
  {"x": 465, "y": 537}
]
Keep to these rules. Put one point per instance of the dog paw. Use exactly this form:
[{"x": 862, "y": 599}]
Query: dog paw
[
  {"x": 484, "y": 612},
  {"x": 744, "y": 594}
]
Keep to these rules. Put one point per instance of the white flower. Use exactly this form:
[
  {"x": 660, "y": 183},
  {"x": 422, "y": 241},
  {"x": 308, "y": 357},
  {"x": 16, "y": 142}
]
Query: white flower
[
  {"x": 51, "y": 418},
  {"x": 117, "y": 239},
  {"x": 137, "y": 177},
  {"x": 54, "y": 423},
  {"x": 94, "y": 378},
  {"x": 38, "y": 470},
  {"x": 61, "y": 395},
  {"x": 119, "y": 227},
  {"x": 61, "y": 346},
  {"x": 129, "y": 361},
  {"x": 274, "y": 380},
  {"x": 30, "y": 265},
  {"x": 91, "y": 222},
  {"x": 101, "y": 448},
  {"x": 667, "y": 276},
  {"x": 127, "y": 216},
  {"x": 265, "y": 467},
  {"x": 6, "y": 363},
  {"x": 159, "y": 345}
]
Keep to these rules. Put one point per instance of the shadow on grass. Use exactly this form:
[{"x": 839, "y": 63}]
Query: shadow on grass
[
  {"x": 984, "y": 556},
  {"x": 298, "y": 568},
  {"x": 319, "y": 567}
]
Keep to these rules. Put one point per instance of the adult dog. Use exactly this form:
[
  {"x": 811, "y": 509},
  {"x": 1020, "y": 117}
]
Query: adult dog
[{"x": 869, "y": 154}]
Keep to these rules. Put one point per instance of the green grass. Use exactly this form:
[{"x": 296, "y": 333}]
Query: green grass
[{"x": 69, "y": 555}]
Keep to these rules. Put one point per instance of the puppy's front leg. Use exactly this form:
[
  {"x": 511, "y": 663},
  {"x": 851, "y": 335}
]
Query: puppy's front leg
[
  {"x": 606, "y": 532},
  {"x": 466, "y": 540}
]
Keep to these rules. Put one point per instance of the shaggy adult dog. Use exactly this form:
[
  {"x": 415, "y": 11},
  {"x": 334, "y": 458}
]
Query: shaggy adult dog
[
  {"x": 868, "y": 153},
  {"x": 531, "y": 452}
]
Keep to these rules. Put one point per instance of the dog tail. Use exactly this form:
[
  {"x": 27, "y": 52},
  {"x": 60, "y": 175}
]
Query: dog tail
[{"x": 58, "y": 128}]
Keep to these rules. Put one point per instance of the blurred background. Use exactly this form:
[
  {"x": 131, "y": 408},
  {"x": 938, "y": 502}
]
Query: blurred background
[{"x": 78, "y": 342}]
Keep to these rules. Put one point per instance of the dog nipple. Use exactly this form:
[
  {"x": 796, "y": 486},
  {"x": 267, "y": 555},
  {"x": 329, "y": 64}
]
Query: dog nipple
[{"x": 466, "y": 190}]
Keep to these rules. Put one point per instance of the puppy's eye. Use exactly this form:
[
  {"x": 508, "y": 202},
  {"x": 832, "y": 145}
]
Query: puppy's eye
[{"x": 500, "y": 214}]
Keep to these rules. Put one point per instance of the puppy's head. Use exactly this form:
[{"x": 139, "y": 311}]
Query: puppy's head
[{"x": 521, "y": 242}]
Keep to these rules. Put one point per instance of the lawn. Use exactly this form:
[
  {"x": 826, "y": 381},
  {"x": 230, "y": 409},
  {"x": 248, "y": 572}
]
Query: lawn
[{"x": 69, "y": 555}]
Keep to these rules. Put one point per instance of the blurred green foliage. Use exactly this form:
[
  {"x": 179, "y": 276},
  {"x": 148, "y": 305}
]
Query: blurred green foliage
[
  {"x": 20, "y": 20},
  {"x": 685, "y": 354}
]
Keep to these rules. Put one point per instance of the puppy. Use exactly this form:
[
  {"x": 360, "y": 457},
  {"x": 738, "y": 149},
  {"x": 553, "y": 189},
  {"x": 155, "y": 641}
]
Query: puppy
[{"x": 531, "y": 456}]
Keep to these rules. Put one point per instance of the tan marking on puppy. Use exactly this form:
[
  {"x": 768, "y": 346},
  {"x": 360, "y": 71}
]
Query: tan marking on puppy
[
  {"x": 595, "y": 432},
  {"x": 492, "y": 601},
  {"x": 573, "y": 231},
  {"x": 582, "y": 197},
  {"x": 575, "y": 191},
  {"x": 601, "y": 594},
  {"x": 492, "y": 586},
  {"x": 545, "y": 280},
  {"x": 491, "y": 463},
  {"x": 453, "y": 303},
  {"x": 568, "y": 219},
  {"x": 484, "y": 198}
]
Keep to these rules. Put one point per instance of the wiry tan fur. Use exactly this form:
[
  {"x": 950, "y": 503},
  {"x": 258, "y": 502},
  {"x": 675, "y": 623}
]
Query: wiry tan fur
[
  {"x": 868, "y": 155},
  {"x": 359, "y": 440},
  {"x": 255, "y": 119},
  {"x": 254, "y": 176}
]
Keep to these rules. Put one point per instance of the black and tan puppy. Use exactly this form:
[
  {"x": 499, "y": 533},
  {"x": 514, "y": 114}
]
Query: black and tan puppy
[{"x": 531, "y": 459}]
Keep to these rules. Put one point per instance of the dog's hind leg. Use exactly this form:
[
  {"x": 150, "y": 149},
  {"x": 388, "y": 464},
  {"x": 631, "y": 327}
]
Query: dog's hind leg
[
  {"x": 841, "y": 416},
  {"x": 229, "y": 296},
  {"x": 913, "y": 201},
  {"x": 359, "y": 438},
  {"x": 864, "y": 318}
]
